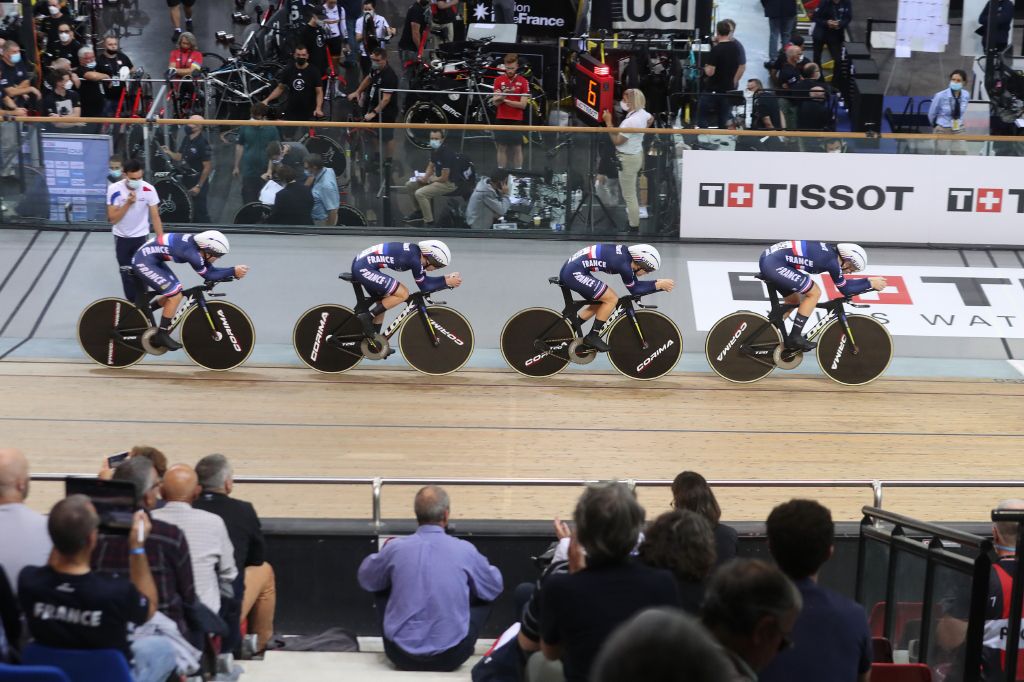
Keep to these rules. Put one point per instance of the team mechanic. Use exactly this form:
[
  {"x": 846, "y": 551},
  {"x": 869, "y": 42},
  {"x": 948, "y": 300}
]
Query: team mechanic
[
  {"x": 199, "y": 251},
  {"x": 629, "y": 262},
  {"x": 788, "y": 265}
]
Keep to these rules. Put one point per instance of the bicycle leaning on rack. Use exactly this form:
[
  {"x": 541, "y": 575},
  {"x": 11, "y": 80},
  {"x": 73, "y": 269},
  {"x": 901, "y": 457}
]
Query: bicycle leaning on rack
[
  {"x": 216, "y": 335},
  {"x": 852, "y": 349},
  {"x": 434, "y": 339},
  {"x": 540, "y": 342}
]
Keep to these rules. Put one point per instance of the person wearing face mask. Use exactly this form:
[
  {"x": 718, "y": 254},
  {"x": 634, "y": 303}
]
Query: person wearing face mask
[
  {"x": 61, "y": 99},
  {"x": 381, "y": 104},
  {"x": 251, "y": 153},
  {"x": 115, "y": 169},
  {"x": 436, "y": 181},
  {"x": 92, "y": 89},
  {"x": 291, "y": 154},
  {"x": 947, "y": 114},
  {"x": 55, "y": 16},
  {"x": 509, "y": 89},
  {"x": 65, "y": 47},
  {"x": 132, "y": 208},
  {"x": 372, "y": 32},
  {"x": 489, "y": 201},
  {"x": 16, "y": 81},
  {"x": 195, "y": 153},
  {"x": 323, "y": 185},
  {"x": 115, "y": 64},
  {"x": 305, "y": 89},
  {"x": 186, "y": 58},
  {"x": 313, "y": 36},
  {"x": 335, "y": 23},
  {"x": 629, "y": 147}
]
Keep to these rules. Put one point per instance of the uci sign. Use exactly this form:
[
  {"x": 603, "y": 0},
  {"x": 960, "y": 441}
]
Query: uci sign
[{"x": 655, "y": 14}]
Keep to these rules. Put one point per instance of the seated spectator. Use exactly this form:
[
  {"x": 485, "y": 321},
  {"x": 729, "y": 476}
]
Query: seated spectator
[
  {"x": 259, "y": 593},
  {"x": 293, "y": 204},
  {"x": 158, "y": 458},
  {"x": 19, "y": 95},
  {"x": 251, "y": 153},
  {"x": 682, "y": 542},
  {"x": 25, "y": 540},
  {"x": 691, "y": 491},
  {"x": 751, "y": 607},
  {"x": 437, "y": 180},
  {"x": 604, "y": 586},
  {"x": 661, "y": 645},
  {"x": 55, "y": 16},
  {"x": 210, "y": 549},
  {"x": 813, "y": 100},
  {"x": 61, "y": 100},
  {"x": 489, "y": 201},
  {"x": 432, "y": 590},
  {"x": 67, "y": 606},
  {"x": 831, "y": 636},
  {"x": 323, "y": 184}
]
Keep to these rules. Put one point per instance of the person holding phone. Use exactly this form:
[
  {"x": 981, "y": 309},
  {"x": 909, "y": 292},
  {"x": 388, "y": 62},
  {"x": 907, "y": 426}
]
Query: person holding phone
[{"x": 132, "y": 208}]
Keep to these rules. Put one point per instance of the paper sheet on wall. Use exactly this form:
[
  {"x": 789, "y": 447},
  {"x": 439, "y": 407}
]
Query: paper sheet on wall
[{"x": 922, "y": 25}]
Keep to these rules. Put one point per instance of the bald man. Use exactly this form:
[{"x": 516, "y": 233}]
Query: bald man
[
  {"x": 213, "y": 557},
  {"x": 194, "y": 152},
  {"x": 26, "y": 541}
]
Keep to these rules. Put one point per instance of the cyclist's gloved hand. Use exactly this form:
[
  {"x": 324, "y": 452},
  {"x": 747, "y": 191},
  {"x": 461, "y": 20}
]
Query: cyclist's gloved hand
[
  {"x": 241, "y": 271},
  {"x": 878, "y": 283}
]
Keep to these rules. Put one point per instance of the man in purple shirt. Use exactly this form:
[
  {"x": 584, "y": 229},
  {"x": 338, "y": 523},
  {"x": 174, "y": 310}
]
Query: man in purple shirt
[{"x": 433, "y": 590}]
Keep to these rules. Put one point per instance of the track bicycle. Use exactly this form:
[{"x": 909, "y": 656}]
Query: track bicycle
[
  {"x": 216, "y": 335},
  {"x": 539, "y": 342},
  {"x": 852, "y": 349},
  {"x": 331, "y": 338}
]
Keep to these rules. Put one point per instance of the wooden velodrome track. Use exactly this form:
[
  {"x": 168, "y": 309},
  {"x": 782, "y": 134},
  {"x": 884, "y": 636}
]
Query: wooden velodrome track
[{"x": 473, "y": 424}]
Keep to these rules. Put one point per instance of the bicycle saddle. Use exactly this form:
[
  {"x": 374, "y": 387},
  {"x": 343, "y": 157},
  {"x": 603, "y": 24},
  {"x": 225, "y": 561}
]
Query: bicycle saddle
[
  {"x": 554, "y": 280},
  {"x": 347, "y": 276},
  {"x": 125, "y": 268}
]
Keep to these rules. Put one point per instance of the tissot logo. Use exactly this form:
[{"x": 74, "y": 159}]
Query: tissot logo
[
  {"x": 792, "y": 195},
  {"x": 985, "y": 200}
]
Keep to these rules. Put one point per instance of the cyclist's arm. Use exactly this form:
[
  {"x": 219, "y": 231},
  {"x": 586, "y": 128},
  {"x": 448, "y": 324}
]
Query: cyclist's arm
[
  {"x": 638, "y": 286},
  {"x": 425, "y": 282},
  {"x": 849, "y": 287}
]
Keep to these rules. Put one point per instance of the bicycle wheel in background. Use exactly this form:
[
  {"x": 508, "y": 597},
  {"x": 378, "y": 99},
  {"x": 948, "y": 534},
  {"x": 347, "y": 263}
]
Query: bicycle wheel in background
[
  {"x": 454, "y": 335},
  {"x": 225, "y": 345},
  {"x": 350, "y": 216},
  {"x": 535, "y": 342},
  {"x": 327, "y": 337},
  {"x": 739, "y": 347},
  {"x": 255, "y": 213},
  {"x": 423, "y": 112},
  {"x": 664, "y": 345},
  {"x": 96, "y": 327},
  {"x": 175, "y": 203},
  {"x": 873, "y": 353}
]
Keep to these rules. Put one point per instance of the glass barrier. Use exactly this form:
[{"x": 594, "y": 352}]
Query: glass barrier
[
  {"x": 565, "y": 179},
  {"x": 875, "y": 562},
  {"x": 947, "y": 624}
]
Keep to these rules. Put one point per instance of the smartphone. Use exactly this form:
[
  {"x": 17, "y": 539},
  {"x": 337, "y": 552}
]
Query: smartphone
[{"x": 114, "y": 460}]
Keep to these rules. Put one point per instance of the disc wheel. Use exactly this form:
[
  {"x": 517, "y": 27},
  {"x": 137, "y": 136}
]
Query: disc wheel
[
  {"x": 664, "y": 345},
  {"x": 423, "y": 112},
  {"x": 843, "y": 363},
  {"x": 535, "y": 342},
  {"x": 175, "y": 203},
  {"x": 739, "y": 347},
  {"x": 224, "y": 346},
  {"x": 326, "y": 338},
  {"x": 350, "y": 216},
  {"x": 330, "y": 151},
  {"x": 254, "y": 213},
  {"x": 96, "y": 332},
  {"x": 454, "y": 336}
]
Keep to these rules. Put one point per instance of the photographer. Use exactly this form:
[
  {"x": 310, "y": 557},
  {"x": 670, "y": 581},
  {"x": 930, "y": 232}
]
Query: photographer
[
  {"x": 489, "y": 201},
  {"x": 61, "y": 100},
  {"x": 372, "y": 32}
]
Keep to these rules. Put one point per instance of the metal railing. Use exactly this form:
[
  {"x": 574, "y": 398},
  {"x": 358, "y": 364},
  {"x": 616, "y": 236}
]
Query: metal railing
[{"x": 876, "y": 486}]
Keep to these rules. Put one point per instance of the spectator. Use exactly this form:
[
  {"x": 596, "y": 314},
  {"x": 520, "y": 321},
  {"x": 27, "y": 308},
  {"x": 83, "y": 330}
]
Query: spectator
[
  {"x": 25, "y": 542},
  {"x": 751, "y": 607},
  {"x": 371, "y": 39},
  {"x": 186, "y": 59},
  {"x": 195, "y": 153},
  {"x": 742, "y": 53},
  {"x": 91, "y": 90},
  {"x": 437, "y": 180},
  {"x": 216, "y": 478},
  {"x": 335, "y": 22},
  {"x": 67, "y": 606},
  {"x": 601, "y": 591},
  {"x": 788, "y": 77},
  {"x": 414, "y": 33},
  {"x": 65, "y": 47},
  {"x": 251, "y": 153},
  {"x": 998, "y": 38},
  {"x": 444, "y": 14},
  {"x": 166, "y": 548},
  {"x": 291, "y": 154},
  {"x": 323, "y": 184},
  {"x": 830, "y": 21},
  {"x": 132, "y": 208},
  {"x": 210, "y": 549},
  {"x": 510, "y": 89},
  {"x": 56, "y": 14},
  {"x": 781, "y": 22},
  {"x": 775, "y": 65},
  {"x": 176, "y": 18},
  {"x": 629, "y": 148},
  {"x": 115, "y": 171},
  {"x": 835, "y": 146},
  {"x": 489, "y": 201},
  {"x": 814, "y": 109},
  {"x": 314, "y": 38},
  {"x": 381, "y": 103},
  {"x": 353, "y": 10},
  {"x": 61, "y": 99},
  {"x": 947, "y": 113},
  {"x": 16, "y": 81},
  {"x": 682, "y": 542},
  {"x": 661, "y": 645},
  {"x": 831, "y": 636},
  {"x": 293, "y": 204},
  {"x": 765, "y": 114},
  {"x": 305, "y": 88},
  {"x": 158, "y": 458},
  {"x": 118, "y": 66},
  {"x": 432, "y": 590},
  {"x": 691, "y": 491},
  {"x": 721, "y": 70}
]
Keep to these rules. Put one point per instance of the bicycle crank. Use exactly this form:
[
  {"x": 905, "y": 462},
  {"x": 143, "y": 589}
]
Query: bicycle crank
[
  {"x": 785, "y": 358},
  {"x": 581, "y": 353},
  {"x": 375, "y": 348},
  {"x": 147, "y": 342}
]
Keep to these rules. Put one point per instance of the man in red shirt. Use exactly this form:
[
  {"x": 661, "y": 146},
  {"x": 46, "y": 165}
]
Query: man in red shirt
[{"x": 509, "y": 89}]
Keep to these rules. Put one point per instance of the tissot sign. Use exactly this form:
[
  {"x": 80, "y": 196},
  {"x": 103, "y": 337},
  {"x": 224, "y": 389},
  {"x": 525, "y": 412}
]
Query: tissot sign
[
  {"x": 663, "y": 15},
  {"x": 919, "y": 301},
  {"x": 846, "y": 197}
]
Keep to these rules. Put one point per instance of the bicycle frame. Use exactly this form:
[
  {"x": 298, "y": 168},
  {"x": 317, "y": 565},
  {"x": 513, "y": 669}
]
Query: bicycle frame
[
  {"x": 570, "y": 313},
  {"x": 191, "y": 298},
  {"x": 416, "y": 302}
]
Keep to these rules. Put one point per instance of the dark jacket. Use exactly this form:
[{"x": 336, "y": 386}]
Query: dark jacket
[
  {"x": 293, "y": 205},
  {"x": 828, "y": 10},
  {"x": 779, "y": 9},
  {"x": 1000, "y": 36}
]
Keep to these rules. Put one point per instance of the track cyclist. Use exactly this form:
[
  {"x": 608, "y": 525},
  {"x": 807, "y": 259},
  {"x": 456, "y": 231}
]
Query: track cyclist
[
  {"x": 788, "y": 265},
  {"x": 419, "y": 258},
  {"x": 200, "y": 251},
  {"x": 628, "y": 262}
]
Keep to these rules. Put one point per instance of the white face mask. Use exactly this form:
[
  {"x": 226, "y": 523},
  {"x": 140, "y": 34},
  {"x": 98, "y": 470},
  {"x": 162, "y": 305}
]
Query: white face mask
[
  {"x": 65, "y": 37},
  {"x": 624, "y": 106},
  {"x": 54, "y": 10},
  {"x": 835, "y": 151}
]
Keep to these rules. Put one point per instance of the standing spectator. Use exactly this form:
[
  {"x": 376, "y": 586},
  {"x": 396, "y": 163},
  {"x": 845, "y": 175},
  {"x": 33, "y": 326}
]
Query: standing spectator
[
  {"x": 335, "y": 22},
  {"x": 830, "y": 21},
  {"x": 353, "y": 10},
  {"x": 604, "y": 587},
  {"x": 781, "y": 22},
  {"x": 176, "y": 17},
  {"x": 742, "y": 53},
  {"x": 216, "y": 478},
  {"x": 117, "y": 65},
  {"x": 437, "y": 180},
  {"x": 55, "y": 16},
  {"x": 432, "y": 590},
  {"x": 251, "y": 153},
  {"x": 91, "y": 90},
  {"x": 681, "y": 541},
  {"x": 293, "y": 204},
  {"x": 25, "y": 542},
  {"x": 765, "y": 114},
  {"x": 831, "y": 638},
  {"x": 195, "y": 153},
  {"x": 67, "y": 606},
  {"x": 314, "y": 37},
  {"x": 947, "y": 113},
  {"x": 504, "y": 11},
  {"x": 691, "y": 491},
  {"x": 998, "y": 38},
  {"x": 775, "y": 65},
  {"x": 381, "y": 103},
  {"x": 65, "y": 47},
  {"x": 213, "y": 557},
  {"x": 305, "y": 89},
  {"x": 751, "y": 608},
  {"x": 721, "y": 69},
  {"x": 415, "y": 32},
  {"x": 16, "y": 80},
  {"x": 372, "y": 33},
  {"x": 186, "y": 58},
  {"x": 444, "y": 13},
  {"x": 489, "y": 201},
  {"x": 323, "y": 184},
  {"x": 61, "y": 99},
  {"x": 509, "y": 89},
  {"x": 629, "y": 148},
  {"x": 132, "y": 208}
]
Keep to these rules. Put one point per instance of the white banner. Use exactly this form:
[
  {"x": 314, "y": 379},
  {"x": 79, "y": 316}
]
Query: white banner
[
  {"x": 919, "y": 301},
  {"x": 660, "y": 15},
  {"x": 910, "y": 198}
]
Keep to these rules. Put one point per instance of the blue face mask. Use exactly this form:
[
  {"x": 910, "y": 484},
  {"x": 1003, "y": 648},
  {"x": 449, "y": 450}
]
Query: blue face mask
[
  {"x": 115, "y": 173},
  {"x": 956, "y": 87},
  {"x": 133, "y": 184},
  {"x": 15, "y": 58},
  {"x": 435, "y": 144}
]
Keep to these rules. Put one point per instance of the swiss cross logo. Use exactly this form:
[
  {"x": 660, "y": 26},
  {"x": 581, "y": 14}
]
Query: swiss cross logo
[
  {"x": 989, "y": 200},
  {"x": 740, "y": 195},
  {"x": 728, "y": 195}
]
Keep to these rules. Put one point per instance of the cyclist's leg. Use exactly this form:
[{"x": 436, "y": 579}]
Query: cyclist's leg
[
  {"x": 160, "y": 278},
  {"x": 588, "y": 312},
  {"x": 388, "y": 291},
  {"x": 593, "y": 289}
]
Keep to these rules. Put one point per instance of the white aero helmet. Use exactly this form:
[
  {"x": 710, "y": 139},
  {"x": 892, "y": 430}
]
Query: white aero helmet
[
  {"x": 646, "y": 256},
  {"x": 854, "y": 253},
  {"x": 213, "y": 242},
  {"x": 436, "y": 252}
]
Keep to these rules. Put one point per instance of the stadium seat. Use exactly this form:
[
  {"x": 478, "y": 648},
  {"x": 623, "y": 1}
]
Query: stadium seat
[
  {"x": 81, "y": 665},
  {"x": 900, "y": 672},
  {"x": 31, "y": 673},
  {"x": 882, "y": 649},
  {"x": 906, "y": 611}
]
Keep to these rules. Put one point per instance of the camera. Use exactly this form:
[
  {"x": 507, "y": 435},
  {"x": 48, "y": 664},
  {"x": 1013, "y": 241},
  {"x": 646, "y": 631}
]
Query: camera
[
  {"x": 241, "y": 18},
  {"x": 224, "y": 38}
]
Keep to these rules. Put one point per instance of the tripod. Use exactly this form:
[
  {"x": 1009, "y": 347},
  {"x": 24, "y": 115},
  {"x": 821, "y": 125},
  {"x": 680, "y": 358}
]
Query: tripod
[{"x": 589, "y": 196}]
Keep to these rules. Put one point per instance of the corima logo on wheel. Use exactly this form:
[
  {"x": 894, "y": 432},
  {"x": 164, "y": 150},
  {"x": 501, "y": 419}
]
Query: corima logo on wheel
[
  {"x": 790, "y": 195},
  {"x": 540, "y": 356},
  {"x": 732, "y": 342},
  {"x": 839, "y": 352},
  {"x": 442, "y": 330},
  {"x": 227, "y": 328},
  {"x": 650, "y": 358},
  {"x": 319, "y": 336}
]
